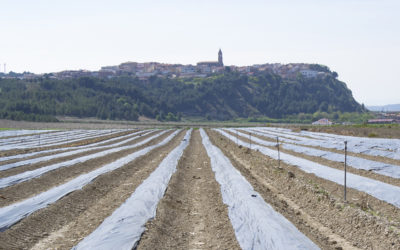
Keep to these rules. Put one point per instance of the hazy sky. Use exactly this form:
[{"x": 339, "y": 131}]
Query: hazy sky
[{"x": 360, "y": 39}]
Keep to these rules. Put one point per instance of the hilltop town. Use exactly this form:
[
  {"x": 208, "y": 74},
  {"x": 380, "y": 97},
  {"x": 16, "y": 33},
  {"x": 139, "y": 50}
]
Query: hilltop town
[{"x": 202, "y": 69}]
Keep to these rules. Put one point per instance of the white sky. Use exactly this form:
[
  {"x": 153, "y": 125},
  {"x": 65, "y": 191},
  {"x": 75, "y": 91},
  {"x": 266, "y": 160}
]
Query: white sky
[{"x": 360, "y": 39}]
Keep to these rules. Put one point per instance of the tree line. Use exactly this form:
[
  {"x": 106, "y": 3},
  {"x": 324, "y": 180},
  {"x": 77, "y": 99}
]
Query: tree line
[{"x": 225, "y": 96}]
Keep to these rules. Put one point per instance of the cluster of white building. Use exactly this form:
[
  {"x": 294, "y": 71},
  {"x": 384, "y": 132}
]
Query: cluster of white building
[{"x": 202, "y": 69}]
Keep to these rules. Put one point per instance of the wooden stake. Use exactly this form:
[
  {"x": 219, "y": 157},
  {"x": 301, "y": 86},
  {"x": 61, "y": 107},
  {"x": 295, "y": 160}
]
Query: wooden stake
[
  {"x": 250, "y": 140},
  {"x": 345, "y": 169},
  {"x": 279, "y": 154},
  {"x": 237, "y": 139}
]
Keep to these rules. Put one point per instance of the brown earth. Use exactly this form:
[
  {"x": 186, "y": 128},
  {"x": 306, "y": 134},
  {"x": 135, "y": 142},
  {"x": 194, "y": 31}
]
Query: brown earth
[
  {"x": 191, "y": 215},
  {"x": 362, "y": 222},
  {"x": 72, "y": 124},
  {"x": 329, "y": 163},
  {"x": 387, "y": 131},
  {"x": 65, "y": 145},
  {"x": 81, "y": 143},
  {"x": 64, "y": 223},
  {"x": 365, "y": 156},
  {"x": 61, "y": 175},
  {"x": 29, "y": 167},
  {"x": 15, "y": 136}
]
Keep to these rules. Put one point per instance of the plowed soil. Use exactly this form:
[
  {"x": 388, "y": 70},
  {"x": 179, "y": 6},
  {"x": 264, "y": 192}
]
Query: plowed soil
[
  {"x": 191, "y": 215},
  {"x": 333, "y": 164},
  {"x": 61, "y": 175},
  {"x": 65, "y": 145},
  {"x": 63, "y": 224},
  {"x": 314, "y": 205}
]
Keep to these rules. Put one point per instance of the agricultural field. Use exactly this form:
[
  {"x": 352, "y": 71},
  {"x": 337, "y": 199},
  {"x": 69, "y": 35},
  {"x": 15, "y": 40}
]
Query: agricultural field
[{"x": 213, "y": 188}]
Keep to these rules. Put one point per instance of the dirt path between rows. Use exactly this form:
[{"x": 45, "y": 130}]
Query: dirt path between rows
[
  {"x": 360, "y": 155},
  {"x": 191, "y": 215},
  {"x": 33, "y": 134},
  {"x": 315, "y": 205},
  {"x": 65, "y": 145},
  {"x": 55, "y": 159},
  {"x": 61, "y": 175},
  {"x": 329, "y": 163},
  {"x": 64, "y": 223}
]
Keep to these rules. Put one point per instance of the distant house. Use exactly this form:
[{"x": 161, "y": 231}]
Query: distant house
[
  {"x": 381, "y": 121},
  {"x": 309, "y": 73},
  {"x": 187, "y": 69},
  {"x": 322, "y": 121},
  {"x": 144, "y": 75}
]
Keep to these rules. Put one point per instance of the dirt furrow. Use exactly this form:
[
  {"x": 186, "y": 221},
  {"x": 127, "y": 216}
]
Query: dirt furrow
[
  {"x": 362, "y": 222},
  {"x": 64, "y": 223},
  {"x": 66, "y": 145},
  {"x": 333, "y": 164},
  {"x": 191, "y": 215},
  {"x": 29, "y": 167},
  {"x": 66, "y": 149},
  {"x": 360, "y": 155},
  {"x": 61, "y": 175},
  {"x": 16, "y": 136}
]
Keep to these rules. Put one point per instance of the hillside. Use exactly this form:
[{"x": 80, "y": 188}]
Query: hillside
[{"x": 220, "y": 97}]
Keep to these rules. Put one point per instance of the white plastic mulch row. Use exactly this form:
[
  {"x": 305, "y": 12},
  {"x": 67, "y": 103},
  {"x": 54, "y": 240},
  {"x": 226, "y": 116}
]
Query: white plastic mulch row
[
  {"x": 123, "y": 229},
  {"x": 352, "y": 161},
  {"x": 11, "y": 214},
  {"x": 50, "y": 137},
  {"x": 29, "y": 138},
  {"x": 373, "y": 143},
  {"x": 19, "y": 156},
  {"x": 370, "y": 146},
  {"x": 55, "y": 139},
  {"x": 25, "y": 176},
  {"x": 377, "y": 189},
  {"x": 88, "y": 135},
  {"x": 20, "y": 132},
  {"x": 257, "y": 225},
  {"x": 79, "y": 150}
]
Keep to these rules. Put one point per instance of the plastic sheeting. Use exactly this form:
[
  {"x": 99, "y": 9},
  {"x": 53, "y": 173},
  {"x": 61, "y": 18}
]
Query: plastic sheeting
[
  {"x": 78, "y": 150},
  {"x": 370, "y": 146},
  {"x": 7, "y": 133},
  {"x": 352, "y": 161},
  {"x": 123, "y": 229},
  {"x": 21, "y": 140},
  {"x": 49, "y": 137},
  {"x": 20, "y": 156},
  {"x": 377, "y": 189},
  {"x": 25, "y": 176},
  {"x": 52, "y": 139},
  {"x": 11, "y": 214},
  {"x": 257, "y": 225}
]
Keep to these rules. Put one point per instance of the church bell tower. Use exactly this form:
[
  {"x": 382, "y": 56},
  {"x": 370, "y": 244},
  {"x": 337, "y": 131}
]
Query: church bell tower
[{"x": 220, "y": 58}]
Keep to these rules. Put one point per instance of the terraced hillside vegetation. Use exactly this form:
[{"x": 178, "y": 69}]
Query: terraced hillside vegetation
[{"x": 225, "y": 188}]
